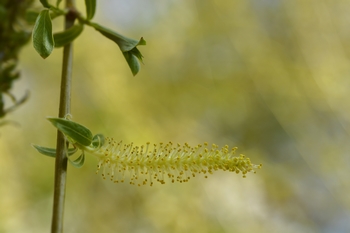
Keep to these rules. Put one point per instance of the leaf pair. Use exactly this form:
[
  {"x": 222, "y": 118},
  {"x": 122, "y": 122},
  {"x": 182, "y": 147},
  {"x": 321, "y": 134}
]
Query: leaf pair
[
  {"x": 80, "y": 136},
  {"x": 45, "y": 41},
  {"x": 127, "y": 46}
]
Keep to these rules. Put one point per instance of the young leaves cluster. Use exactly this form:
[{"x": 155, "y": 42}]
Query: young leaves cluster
[
  {"x": 78, "y": 135},
  {"x": 44, "y": 40}
]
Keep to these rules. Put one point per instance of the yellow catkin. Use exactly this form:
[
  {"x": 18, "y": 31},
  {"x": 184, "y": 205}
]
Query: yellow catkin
[{"x": 177, "y": 163}]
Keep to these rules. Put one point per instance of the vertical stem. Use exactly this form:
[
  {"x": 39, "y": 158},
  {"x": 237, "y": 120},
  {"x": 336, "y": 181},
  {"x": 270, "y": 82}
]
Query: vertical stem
[{"x": 64, "y": 109}]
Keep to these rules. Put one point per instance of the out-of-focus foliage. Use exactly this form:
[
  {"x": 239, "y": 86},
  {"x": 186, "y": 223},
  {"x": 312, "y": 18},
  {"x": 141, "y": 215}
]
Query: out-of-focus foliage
[
  {"x": 268, "y": 76},
  {"x": 14, "y": 34}
]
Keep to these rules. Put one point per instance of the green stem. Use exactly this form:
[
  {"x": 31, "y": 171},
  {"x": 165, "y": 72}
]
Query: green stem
[{"x": 64, "y": 109}]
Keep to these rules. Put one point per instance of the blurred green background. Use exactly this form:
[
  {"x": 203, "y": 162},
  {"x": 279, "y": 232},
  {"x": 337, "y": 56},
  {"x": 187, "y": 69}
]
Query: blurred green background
[{"x": 268, "y": 76}]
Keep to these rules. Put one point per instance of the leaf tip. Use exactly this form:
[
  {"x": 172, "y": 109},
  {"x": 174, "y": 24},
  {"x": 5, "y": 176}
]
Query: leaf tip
[
  {"x": 142, "y": 41},
  {"x": 49, "y": 118},
  {"x": 44, "y": 56}
]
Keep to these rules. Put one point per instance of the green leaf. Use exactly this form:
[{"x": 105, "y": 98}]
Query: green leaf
[
  {"x": 58, "y": 2},
  {"x": 133, "y": 57},
  {"x": 42, "y": 34},
  {"x": 98, "y": 141},
  {"x": 90, "y": 8},
  {"x": 67, "y": 36},
  {"x": 79, "y": 162},
  {"x": 126, "y": 45},
  {"x": 45, "y": 3},
  {"x": 74, "y": 131},
  {"x": 51, "y": 152}
]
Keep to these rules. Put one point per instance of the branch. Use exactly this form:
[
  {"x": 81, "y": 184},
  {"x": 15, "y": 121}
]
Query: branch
[{"x": 64, "y": 109}]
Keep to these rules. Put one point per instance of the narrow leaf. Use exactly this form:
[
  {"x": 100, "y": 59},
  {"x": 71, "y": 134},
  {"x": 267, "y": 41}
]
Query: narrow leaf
[
  {"x": 126, "y": 45},
  {"x": 42, "y": 34},
  {"x": 51, "y": 152},
  {"x": 90, "y": 8},
  {"x": 58, "y": 3},
  {"x": 98, "y": 141},
  {"x": 45, "y": 3},
  {"x": 79, "y": 162},
  {"x": 74, "y": 131},
  {"x": 67, "y": 36},
  {"x": 132, "y": 61}
]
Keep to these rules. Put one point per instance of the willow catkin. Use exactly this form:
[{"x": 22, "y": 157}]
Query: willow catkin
[{"x": 146, "y": 164}]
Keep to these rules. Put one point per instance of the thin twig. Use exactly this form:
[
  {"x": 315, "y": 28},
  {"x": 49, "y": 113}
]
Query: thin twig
[{"x": 64, "y": 109}]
